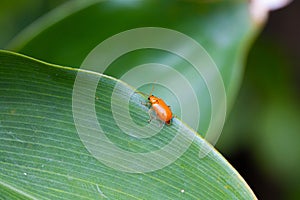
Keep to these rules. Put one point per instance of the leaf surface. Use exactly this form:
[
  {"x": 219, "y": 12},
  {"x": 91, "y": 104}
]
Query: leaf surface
[{"x": 44, "y": 157}]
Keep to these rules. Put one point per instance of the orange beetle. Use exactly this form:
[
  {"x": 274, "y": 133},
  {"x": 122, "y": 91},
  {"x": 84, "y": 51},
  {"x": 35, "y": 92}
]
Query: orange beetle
[{"x": 161, "y": 109}]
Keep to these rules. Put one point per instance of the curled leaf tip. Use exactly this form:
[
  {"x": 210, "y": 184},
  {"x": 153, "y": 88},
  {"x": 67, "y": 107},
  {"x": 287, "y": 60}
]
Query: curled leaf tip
[{"x": 259, "y": 9}]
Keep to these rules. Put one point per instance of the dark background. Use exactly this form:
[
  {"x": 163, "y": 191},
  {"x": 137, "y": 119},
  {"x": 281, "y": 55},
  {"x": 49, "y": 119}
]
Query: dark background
[{"x": 262, "y": 136}]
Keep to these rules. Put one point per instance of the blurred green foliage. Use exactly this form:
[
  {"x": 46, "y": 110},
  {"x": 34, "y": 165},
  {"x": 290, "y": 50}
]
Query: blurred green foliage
[
  {"x": 223, "y": 28},
  {"x": 15, "y": 15}
]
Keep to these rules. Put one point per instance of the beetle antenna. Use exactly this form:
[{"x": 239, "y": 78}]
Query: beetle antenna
[
  {"x": 152, "y": 89},
  {"x": 145, "y": 93}
]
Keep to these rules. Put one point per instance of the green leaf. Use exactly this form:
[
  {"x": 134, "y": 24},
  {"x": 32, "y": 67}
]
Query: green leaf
[
  {"x": 44, "y": 157},
  {"x": 15, "y": 15},
  {"x": 66, "y": 35}
]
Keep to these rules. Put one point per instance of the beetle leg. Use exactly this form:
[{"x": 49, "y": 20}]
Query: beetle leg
[
  {"x": 161, "y": 123},
  {"x": 150, "y": 116},
  {"x": 146, "y": 104}
]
